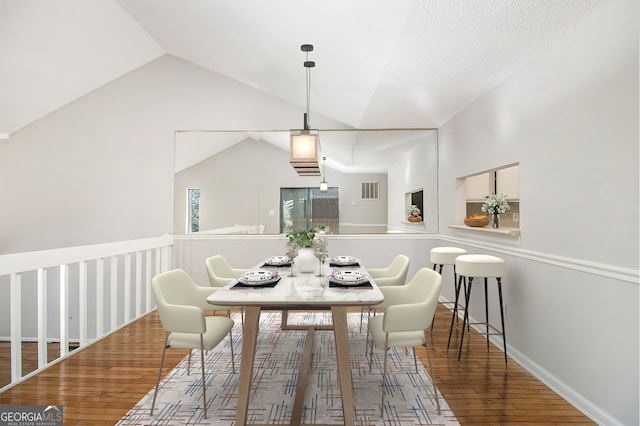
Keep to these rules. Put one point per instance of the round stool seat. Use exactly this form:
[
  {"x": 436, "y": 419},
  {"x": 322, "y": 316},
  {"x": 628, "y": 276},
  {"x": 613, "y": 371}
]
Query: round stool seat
[
  {"x": 479, "y": 265},
  {"x": 446, "y": 255}
]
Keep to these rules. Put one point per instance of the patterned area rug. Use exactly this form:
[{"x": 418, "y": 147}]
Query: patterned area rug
[{"x": 409, "y": 398}]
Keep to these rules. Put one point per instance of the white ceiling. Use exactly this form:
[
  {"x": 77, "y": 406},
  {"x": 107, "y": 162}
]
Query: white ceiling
[{"x": 379, "y": 63}]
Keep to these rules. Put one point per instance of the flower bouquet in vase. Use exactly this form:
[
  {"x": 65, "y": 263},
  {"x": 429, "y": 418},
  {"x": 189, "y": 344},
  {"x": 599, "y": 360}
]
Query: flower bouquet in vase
[
  {"x": 414, "y": 214},
  {"x": 496, "y": 205}
]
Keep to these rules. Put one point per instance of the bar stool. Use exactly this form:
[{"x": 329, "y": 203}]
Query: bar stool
[
  {"x": 441, "y": 256},
  {"x": 469, "y": 266}
]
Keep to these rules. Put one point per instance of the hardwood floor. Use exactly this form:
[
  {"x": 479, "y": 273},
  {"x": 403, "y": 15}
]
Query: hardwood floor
[{"x": 100, "y": 383}]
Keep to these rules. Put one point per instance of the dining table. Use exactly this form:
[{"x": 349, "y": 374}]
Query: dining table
[{"x": 304, "y": 291}]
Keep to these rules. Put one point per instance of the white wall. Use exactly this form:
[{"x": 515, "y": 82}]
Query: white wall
[
  {"x": 570, "y": 118},
  {"x": 101, "y": 168}
]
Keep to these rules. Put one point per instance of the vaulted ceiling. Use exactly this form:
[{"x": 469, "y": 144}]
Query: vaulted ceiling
[{"x": 379, "y": 63}]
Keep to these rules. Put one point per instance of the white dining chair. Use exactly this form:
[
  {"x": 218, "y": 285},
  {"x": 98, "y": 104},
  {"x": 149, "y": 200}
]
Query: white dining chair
[
  {"x": 220, "y": 272},
  {"x": 393, "y": 275},
  {"x": 181, "y": 304},
  {"x": 408, "y": 312}
]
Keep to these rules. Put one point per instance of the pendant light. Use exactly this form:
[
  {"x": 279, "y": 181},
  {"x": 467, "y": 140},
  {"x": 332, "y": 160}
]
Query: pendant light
[
  {"x": 324, "y": 185},
  {"x": 305, "y": 143}
]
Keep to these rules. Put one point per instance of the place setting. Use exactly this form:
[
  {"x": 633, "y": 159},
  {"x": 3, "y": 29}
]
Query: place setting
[
  {"x": 341, "y": 261},
  {"x": 349, "y": 279},
  {"x": 277, "y": 262},
  {"x": 258, "y": 278}
]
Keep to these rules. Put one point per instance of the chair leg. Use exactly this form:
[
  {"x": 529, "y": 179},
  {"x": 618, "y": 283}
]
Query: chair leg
[
  {"x": 204, "y": 391},
  {"x": 366, "y": 349},
  {"x": 384, "y": 373},
  {"x": 433, "y": 376},
  {"x": 233, "y": 362},
  {"x": 415, "y": 358},
  {"x": 369, "y": 336},
  {"x": 153, "y": 404},
  {"x": 189, "y": 363}
]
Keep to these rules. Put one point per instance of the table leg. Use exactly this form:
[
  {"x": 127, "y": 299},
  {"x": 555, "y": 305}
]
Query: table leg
[
  {"x": 342, "y": 354},
  {"x": 249, "y": 340}
]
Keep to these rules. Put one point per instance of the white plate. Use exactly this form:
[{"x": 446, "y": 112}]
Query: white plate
[
  {"x": 349, "y": 277},
  {"x": 277, "y": 260},
  {"x": 258, "y": 277},
  {"x": 345, "y": 260}
]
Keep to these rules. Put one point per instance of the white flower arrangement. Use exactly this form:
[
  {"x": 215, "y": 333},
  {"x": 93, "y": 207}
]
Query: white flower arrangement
[
  {"x": 496, "y": 204},
  {"x": 413, "y": 210}
]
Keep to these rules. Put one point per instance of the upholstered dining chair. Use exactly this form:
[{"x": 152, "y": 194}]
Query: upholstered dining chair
[
  {"x": 221, "y": 273},
  {"x": 181, "y": 304},
  {"x": 392, "y": 275},
  {"x": 409, "y": 311}
]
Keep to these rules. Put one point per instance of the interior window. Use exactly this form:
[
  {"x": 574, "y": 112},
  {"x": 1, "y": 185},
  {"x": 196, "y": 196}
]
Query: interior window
[{"x": 502, "y": 180}]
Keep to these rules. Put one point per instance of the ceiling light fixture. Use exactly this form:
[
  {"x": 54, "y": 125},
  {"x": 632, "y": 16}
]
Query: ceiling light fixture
[
  {"x": 324, "y": 185},
  {"x": 305, "y": 142}
]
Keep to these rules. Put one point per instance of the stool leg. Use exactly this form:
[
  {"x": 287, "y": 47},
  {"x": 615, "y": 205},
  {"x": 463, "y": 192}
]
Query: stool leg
[
  {"x": 434, "y": 315},
  {"x": 464, "y": 287},
  {"x": 455, "y": 308},
  {"x": 456, "y": 285},
  {"x": 466, "y": 313},
  {"x": 486, "y": 308},
  {"x": 504, "y": 336}
]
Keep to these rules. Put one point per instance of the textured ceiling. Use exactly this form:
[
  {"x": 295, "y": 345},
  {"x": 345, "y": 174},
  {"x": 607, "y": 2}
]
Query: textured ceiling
[{"x": 380, "y": 63}]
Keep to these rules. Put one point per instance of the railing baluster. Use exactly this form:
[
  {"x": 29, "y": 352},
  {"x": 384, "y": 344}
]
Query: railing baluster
[
  {"x": 16, "y": 326},
  {"x": 99, "y": 297},
  {"x": 127, "y": 287},
  {"x": 64, "y": 309},
  {"x": 114, "y": 293},
  {"x": 42, "y": 318},
  {"x": 138, "y": 283},
  {"x": 82, "y": 302},
  {"x": 148, "y": 280}
]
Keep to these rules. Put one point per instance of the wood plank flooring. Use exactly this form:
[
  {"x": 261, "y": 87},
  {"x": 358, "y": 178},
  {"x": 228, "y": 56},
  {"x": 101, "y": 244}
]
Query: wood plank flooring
[{"x": 100, "y": 383}]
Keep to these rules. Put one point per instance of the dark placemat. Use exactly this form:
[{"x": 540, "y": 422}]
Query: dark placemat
[
  {"x": 270, "y": 285},
  {"x": 340, "y": 265},
  {"x": 281, "y": 265},
  {"x": 366, "y": 284}
]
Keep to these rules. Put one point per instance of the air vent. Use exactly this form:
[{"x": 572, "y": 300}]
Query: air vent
[{"x": 369, "y": 190}]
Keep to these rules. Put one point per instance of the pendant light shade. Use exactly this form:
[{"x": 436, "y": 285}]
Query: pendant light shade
[{"x": 305, "y": 142}]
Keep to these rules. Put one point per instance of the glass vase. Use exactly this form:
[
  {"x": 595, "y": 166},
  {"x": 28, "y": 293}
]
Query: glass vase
[{"x": 495, "y": 223}]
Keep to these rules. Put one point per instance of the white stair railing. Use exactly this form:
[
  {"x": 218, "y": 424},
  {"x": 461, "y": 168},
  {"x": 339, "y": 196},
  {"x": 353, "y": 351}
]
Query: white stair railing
[{"x": 69, "y": 294}]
